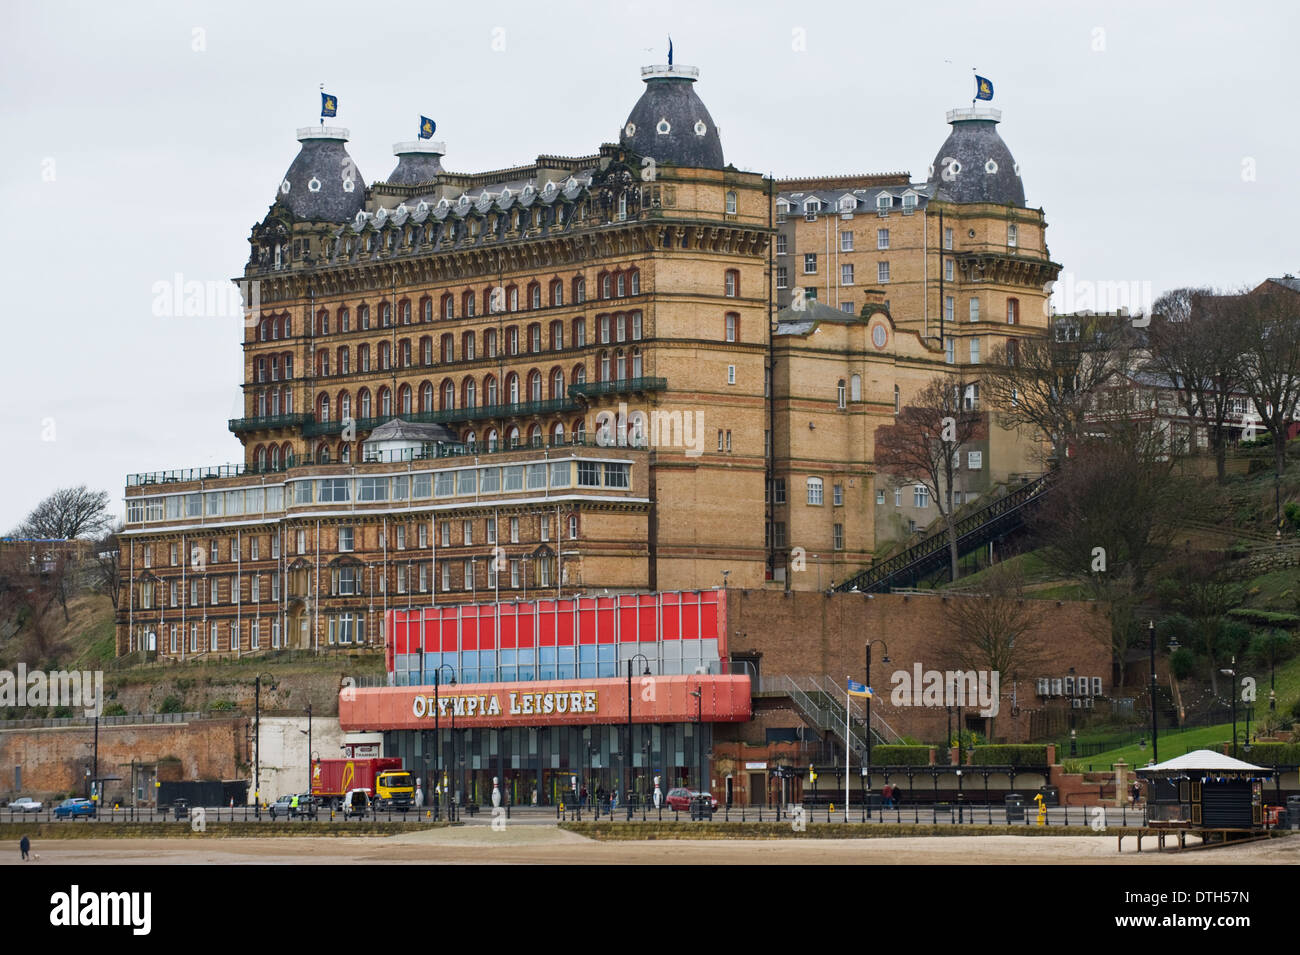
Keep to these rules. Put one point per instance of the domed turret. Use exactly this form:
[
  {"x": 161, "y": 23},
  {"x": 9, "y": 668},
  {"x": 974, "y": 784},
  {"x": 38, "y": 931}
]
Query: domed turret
[
  {"x": 669, "y": 123},
  {"x": 323, "y": 184},
  {"x": 417, "y": 161},
  {"x": 974, "y": 164}
]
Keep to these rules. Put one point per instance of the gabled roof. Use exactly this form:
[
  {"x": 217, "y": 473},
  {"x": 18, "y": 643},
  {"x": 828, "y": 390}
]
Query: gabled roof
[{"x": 1203, "y": 760}]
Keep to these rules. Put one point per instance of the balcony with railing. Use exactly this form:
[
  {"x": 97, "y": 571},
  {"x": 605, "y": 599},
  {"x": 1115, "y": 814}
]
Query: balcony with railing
[
  {"x": 268, "y": 422},
  {"x": 620, "y": 386}
]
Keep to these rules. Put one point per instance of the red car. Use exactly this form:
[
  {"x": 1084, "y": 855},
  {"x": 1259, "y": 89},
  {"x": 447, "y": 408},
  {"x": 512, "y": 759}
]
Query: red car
[{"x": 680, "y": 799}]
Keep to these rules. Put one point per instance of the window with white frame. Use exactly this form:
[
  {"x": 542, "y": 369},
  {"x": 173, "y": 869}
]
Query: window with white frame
[
  {"x": 947, "y": 239},
  {"x": 948, "y": 272},
  {"x": 446, "y": 576},
  {"x": 846, "y": 273},
  {"x": 975, "y": 350},
  {"x": 883, "y": 204},
  {"x": 782, "y": 277},
  {"x": 815, "y": 491},
  {"x": 837, "y": 537},
  {"x": 810, "y": 263},
  {"x": 1013, "y": 235},
  {"x": 949, "y": 304},
  {"x": 573, "y": 527},
  {"x": 974, "y": 460},
  {"x": 345, "y": 539},
  {"x": 731, "y": 374},
  {"x": 467, "y": 532},
  {"x": 898, "y": 497},
  {"x": 950, "y": 350},
  {"x": 514, "y": 530},
  {"x": 880, "y": 497},
  {"x": 975, "y": 310},
  {"x": 882, "y": 271},
  {"x": 920, "y": 496},
  {"x": 846, "y": 240},
  {"x": 837, "y": 495},
  {"x": 882, "y": 238},
  {"x": 780, "y": 245}
]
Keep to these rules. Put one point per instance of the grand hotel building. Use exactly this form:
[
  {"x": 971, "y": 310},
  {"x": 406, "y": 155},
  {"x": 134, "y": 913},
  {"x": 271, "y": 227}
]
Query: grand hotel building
[{"x": 638, "y": 370}]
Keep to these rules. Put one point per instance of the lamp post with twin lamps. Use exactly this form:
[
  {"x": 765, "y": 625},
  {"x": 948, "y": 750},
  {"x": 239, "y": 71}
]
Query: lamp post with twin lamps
[
  {"x": 1173, "y": 645},
  {"x": 627, "y": 747}
]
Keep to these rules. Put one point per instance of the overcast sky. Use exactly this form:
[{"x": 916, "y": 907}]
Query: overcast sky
[{"x": 144, "y": 140}]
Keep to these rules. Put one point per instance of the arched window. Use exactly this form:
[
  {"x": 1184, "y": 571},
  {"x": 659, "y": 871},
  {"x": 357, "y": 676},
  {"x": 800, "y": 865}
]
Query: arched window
[
  {"x": 470, "y": 440},
  {"x": 363, "y": 317},
  {"x": 579, "y": 374},
  {"x": 286, "y": 327},
  {"x": 323, "y": 408},
  {"x": 512, "y": 340},
  {"x": 467, "y": 346},
  {"x": 363, "y": 403},
  {"x": 732, "y": 327},
  {"x": 731, "y": 203},
  {"x": 345, "y": 363},
  {"x": 534, "y": 338},
  {"x": 512, "y": 437},
  {"x": 275, "y": 401},
  {"x": 839, "y": 393},
  {"x": 322, "y": 453},
  {"x": 363, "y": 358},
  {"x": 469, "y": 393},
  {"x": 404, "y": 353},
  {"x": 557, "y": 383},
  {"x": 815, "y": 491},
  {"x": 448, "y": 395},
  {"x": 386, "y": 315},
  {"x": 855, "y": 388},
  {"x": 487, "y": 301},
  {"x": 490, "y": 343},
  {"x": 448, "y": 309},
  {"x": 345, "y": 406},
  {"x": 275, "y": 458},
  {"x": 286, "y": 454},
  {"x": 404, "y": 399},
  {"x": 579, "y": 430},
  {"x": 426, "y": 396},
  {"x": 621, "y": 365},
  {"x": 636, "y": 363},
  {"x": 604, "y": 329},
  {"x": 385, "y": 402},
  {"x": 426, "y": 309},
  {"x": 579, "y": 290},
  {"x": 634, "y": 282},
  {"x": 491, "y": 439},
  {"x": 322, "y": 322},
  {"x": 1013, "y": 311},
  {"x": 426, "y": 350},
  {"x": 579, "y": 332},
  {"x": 535, "y": 436},
  {"x": 448, "y": 350},
  {"x": 731, "y": 284},
  {"x": 512, "y": 388},
  {"x": 491, "y": 394},
  {"x": 261, "y": 403},
  {"x": 557, "y": 433},
  {"x": 345, "y": 452},
  {"x": 557, "y": 336},
  {"x": 512, "y": 298},
  {"x": 322, "y": 363},
  {"x": 406, "y": 313},
  {"x": 620, "y": 327},
  {"x": 467, "y": 304},
  {"x": 534, "y": 385},
  {"x": 557, "y": 293},
  {"x": 263, "y": 330},
  {"x": 259, "y": 458},
  {"x": 604, "y": 367},
  {"x": 345, "y": 320},
  {"x": 621, "y": 284},
  {"x": 606, "y": 285},
  {"x": 288, "y": 366},
  {"x": 385, "y": 356}
]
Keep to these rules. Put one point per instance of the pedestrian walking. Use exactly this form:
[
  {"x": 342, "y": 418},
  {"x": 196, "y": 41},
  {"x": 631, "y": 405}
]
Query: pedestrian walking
[
  {"x": 1136, "y": 792},
  {"x": 25, "y": 846}
]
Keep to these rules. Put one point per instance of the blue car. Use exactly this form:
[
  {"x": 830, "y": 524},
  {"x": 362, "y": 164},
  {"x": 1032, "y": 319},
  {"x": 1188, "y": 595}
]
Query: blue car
[{"x": 71, "y": 808}]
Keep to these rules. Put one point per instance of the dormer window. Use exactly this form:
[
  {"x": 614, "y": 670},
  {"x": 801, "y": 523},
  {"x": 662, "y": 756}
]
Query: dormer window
[
  {"x": 848, "y": 204},
  {"x": 909, "y": 203},
  {"x": 884, "y": 203},
  {"x": 810, "y": 210}
]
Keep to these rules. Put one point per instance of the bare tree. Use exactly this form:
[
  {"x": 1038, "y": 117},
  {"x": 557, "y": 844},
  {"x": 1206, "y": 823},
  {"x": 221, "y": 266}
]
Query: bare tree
[
  {"x": 31, "y": 583},
  {"x": 924, "y": 443},
  {"x": 1198, "y": 347},
  {"x": 1049, "y": 382},
  {"x": 1111, "y": 516},
  {"x": 108, "y": 563},
  {"x": 67, "y": 514},
  {"x": 1269, "y": 323}
]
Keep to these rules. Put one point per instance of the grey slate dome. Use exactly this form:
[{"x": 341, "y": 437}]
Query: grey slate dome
[
  {"x": 669, "y": 123},
  {"x": 323, "y": 184},
  {"x": 974, "y": 164},
  {"x": 419, "y": 161}
]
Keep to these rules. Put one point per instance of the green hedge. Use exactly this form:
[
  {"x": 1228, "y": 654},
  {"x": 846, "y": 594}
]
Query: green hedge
[
  {"x": 1010, "y": 755},
  {"x": 1265, "y": 617},
  {"x": 900, "y": 755},
  {"x": 1271, "y": 754}
]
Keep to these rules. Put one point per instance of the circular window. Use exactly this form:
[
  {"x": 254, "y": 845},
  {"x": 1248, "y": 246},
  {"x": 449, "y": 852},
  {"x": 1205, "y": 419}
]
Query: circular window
[
  {"x": 879, "y": 337},
  {"x": 313, "y": 184},
  {"x": 991, "y": 167},
  {"x": 700, "y": 128},
  {"x": 348, "y": 185},
  {"x": 1016, "y": 169},
  {"x": 630, "y": 130},
  {"x": 284, "y": 187},
  {"x": 663, "y": 129}
]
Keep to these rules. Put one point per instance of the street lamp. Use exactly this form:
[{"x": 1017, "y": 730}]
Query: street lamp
[
  {"x": 867, "y": 704},
  {"x": 1173, "y": 645},
  {"x": 1073, "y": 746},
  {"x": 698, "y": 693},
  {"x": 437, "y": 712},
  {"x": 309, "y": 758},
  {"x": 1231, "y": 671},
  {"x": 627, "y": 747},
  {"x": 257, "y": 741}
]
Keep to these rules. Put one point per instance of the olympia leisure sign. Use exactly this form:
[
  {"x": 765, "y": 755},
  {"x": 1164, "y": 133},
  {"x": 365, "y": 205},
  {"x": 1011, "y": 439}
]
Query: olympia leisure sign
[{"x": 517, "y": 704}]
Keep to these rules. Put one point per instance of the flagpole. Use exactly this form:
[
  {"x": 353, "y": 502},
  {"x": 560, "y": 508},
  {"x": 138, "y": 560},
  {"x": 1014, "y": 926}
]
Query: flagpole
[{"x": 848, "y": 703}]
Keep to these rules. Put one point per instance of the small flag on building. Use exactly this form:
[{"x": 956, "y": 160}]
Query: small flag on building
[
  {"x": 427, "y": 126},
  {"x": 858, "y": 689},
  {"x": 329, "y": 105},
  {"x": 983, "y": 88}
]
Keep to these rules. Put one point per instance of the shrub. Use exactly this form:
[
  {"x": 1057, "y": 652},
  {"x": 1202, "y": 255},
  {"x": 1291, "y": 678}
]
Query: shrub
[
  {"x": 115, "y": 709},
  {"x": 1014, "y": 754},
  {"x": 172, "y": 704},
  {"x": 222, "y": 705},
  {"x": 1267, "y": 618},
  {"x": 900, "y": 755},
  {"x": 1271, "y": 754},
  {"x": 1183, "y": 663}
]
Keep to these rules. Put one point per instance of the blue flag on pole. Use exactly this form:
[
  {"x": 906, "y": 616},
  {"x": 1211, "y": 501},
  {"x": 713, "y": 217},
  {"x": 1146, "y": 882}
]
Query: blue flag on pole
[
  {"x": 983, "y": 88},
  {"x": 858, "y": 689},
  {"x": 329, "y": 105},
  {"x": 427, "y": 126}
]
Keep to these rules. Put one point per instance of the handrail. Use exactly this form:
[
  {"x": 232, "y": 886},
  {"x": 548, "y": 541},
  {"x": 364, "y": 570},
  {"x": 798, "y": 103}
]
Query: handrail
[{"x": 877, "y": 575}]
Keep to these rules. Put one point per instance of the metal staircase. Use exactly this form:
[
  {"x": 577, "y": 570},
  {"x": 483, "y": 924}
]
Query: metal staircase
[
  {"x": 991, "y": 522},
  {"x": 820, "y": 702}
]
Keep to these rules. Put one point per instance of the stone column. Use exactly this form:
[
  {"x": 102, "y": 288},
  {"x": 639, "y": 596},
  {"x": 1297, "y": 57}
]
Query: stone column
[{"x": 1121, "y": 783}]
